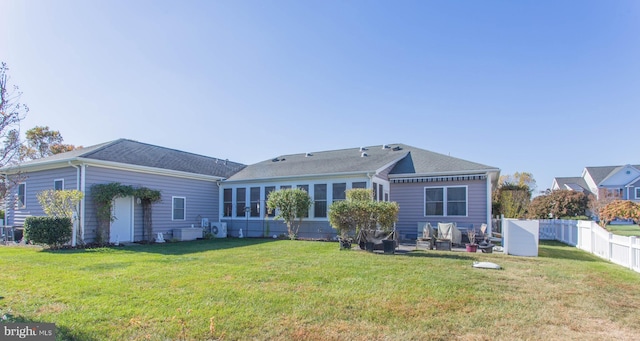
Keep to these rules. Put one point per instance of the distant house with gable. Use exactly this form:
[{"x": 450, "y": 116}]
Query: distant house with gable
[{"x": 607, "y": 181}]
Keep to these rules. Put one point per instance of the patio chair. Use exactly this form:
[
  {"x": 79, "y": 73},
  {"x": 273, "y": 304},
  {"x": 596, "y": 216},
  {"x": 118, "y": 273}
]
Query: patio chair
[{"x": 449, "y": 231}]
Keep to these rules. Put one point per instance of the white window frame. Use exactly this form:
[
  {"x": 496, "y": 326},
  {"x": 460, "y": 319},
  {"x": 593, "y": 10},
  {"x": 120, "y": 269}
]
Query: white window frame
[
  {"x": 445, "y": 200},
  {"x": 21, "y": 204},
  {"x": 58, "y": 180},
  {"x": 173, "y": 208},
  {"x": 637, "y": 192}
]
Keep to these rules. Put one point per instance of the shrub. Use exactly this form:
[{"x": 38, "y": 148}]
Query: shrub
[{"x": 52, "y": 231}]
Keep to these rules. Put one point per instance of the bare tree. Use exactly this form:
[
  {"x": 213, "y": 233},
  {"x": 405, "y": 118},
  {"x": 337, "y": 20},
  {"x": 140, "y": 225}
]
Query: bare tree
[{"x": 11, "y": 113}]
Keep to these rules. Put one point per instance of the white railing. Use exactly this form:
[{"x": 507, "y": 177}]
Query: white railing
[{"x": 589, "y": 236}]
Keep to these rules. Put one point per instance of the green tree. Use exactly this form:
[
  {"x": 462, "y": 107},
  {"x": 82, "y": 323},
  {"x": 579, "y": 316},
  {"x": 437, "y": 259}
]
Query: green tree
[
  {"x": 359, "y": 211},
  {"x": 558, "y": 204},
  {"x": 513, "y": 194},
  {"x": 290, "y": 204},
  {"x": 60, "y": 203},
  {"x": 42, "y": 142}
]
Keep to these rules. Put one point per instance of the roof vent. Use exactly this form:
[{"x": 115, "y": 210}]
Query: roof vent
[
  {"x": 362, "y": 149},
  {"x": 308, "y": 154},
  {"x": 396, "y": 148},
  {"x": 385, "y": 146},
  {"x": 364, "y": 154},
  {"x": 275, "y": 160}
]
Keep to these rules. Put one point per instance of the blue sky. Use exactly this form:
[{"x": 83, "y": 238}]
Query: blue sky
[{"x": 546, "y": 87}]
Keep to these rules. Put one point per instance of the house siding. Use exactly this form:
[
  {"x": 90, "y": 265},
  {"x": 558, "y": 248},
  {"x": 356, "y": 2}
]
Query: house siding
[
  {"x": 410, "y": 198},
  {"x": 201, "y": 199},
  {"x": 36, "y": 182}
]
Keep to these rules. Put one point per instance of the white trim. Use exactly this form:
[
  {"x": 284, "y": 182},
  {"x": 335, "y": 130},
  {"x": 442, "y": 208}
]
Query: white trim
[
  {"x": 173, "y": 218},
  {"x": 56, "y": 180},
  {"x": 444, "y": 201},
  {"x": 637, "y": 192}
]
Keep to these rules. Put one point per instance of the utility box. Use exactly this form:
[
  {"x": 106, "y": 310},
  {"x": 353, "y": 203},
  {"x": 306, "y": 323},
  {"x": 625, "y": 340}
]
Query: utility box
[
  {"x": 184, "y": 234},
  {"x": 521, "y": 237}
]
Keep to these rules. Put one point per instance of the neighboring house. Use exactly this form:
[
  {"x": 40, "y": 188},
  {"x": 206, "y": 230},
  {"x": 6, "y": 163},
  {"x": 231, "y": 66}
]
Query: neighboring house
[
  {"x": 188, "y": 183},
  {"x": 609, "y": 181},
  {"x": 427, "y": 186}
]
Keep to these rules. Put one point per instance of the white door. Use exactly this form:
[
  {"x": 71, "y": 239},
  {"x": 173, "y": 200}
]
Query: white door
[{"x": 122, "y": 226}]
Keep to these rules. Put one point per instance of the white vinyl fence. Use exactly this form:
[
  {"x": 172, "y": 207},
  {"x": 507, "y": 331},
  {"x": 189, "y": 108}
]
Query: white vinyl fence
[{"x": 589, "y": 236}]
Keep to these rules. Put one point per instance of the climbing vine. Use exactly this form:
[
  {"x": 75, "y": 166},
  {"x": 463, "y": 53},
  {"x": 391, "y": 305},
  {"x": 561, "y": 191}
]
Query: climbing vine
[{"x": 103, "y": 195}]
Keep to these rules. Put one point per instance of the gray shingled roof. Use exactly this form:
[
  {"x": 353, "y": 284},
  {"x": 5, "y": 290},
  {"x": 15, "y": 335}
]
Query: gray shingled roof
[
  {"x": 345, "y": 161},
  {"x": 131, "y": 152},
  {"x": 598, "y": 174},
  {"x": 571, "y": 182}
]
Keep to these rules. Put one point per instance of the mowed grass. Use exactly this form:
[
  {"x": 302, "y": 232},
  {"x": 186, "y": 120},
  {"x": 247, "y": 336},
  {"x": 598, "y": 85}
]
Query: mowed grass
[
  {"x": 624, "y": 230},
  {"x": 239, "y": 289}
]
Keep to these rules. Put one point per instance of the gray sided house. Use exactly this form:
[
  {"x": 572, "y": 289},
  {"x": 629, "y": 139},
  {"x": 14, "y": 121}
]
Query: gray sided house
[
  {"x": 189, "y": 186},
  {"x": 427, "y": 186}
]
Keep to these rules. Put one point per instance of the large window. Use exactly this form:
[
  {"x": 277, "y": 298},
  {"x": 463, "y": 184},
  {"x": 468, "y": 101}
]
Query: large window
[
  {"x": 254, "y": 197},
  {"x": 241, "y": 201},
  {"x": 446, "y": 201},
  {"x": 228, "y": 202},
  {"x": 179, "y": 208},
  {"x": 320, "y": 200},
  {"x": 58, "y": 184},
  {"x": 306, "y": 189},
  {"x": 267, "y": 191},
  {"x": 21, "y": 200},
  {"x": 339, "y": 191}
]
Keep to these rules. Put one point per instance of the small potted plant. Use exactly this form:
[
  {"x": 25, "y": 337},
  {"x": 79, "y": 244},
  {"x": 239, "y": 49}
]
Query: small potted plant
[{"x": 472, "y": 246}]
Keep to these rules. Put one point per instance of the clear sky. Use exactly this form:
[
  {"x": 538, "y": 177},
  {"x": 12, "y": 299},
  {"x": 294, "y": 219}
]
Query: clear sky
[{"x": 546, "y": 87}]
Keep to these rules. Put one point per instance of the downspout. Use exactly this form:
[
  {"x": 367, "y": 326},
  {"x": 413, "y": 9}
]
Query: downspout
[
  {"x": 489, "y": 205},
  {"x": 75, "y": 232},
  {"x": 6, "y": 207},
  {"x": 83, "y": 179},
  {"x": 220, "y": 209}
]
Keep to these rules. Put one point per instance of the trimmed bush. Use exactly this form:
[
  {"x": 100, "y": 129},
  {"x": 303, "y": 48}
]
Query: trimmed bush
[{"x": 52, "y": 231}]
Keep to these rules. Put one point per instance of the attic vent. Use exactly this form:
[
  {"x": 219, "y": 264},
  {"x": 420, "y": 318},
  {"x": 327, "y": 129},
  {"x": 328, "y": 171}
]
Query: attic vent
[
  {"x": 385, "y": 146},
  {"x": 628, "y": 172},
  {"x": 396, "y": 148},
  {"x": 308, "y": 154},
  {"x": 275, "y": 160},
  {"x": 362, "y": 149},
  {"x": 364, "y": 154}
]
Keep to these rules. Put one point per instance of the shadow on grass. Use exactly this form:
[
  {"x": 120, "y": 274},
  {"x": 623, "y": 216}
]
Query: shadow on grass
[
  {"x": 439, "y": 255},
  {"x": 62, "y": 333},
  {"x": 177, "y": 248},
  {"x": 554, "y": 249}
]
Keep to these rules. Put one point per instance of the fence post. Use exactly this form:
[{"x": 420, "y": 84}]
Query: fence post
[
  {"x": 632, "y": 252},
  {"x": 610, "y": 248}
]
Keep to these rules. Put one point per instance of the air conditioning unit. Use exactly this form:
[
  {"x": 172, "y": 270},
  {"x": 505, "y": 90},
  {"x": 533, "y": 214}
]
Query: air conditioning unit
[{"x": 219, "y": 230}]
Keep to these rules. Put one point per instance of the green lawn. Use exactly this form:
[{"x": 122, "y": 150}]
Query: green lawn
[
  {"x": 624, "y": 230},
  {"x": 282, "y": 290}
]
